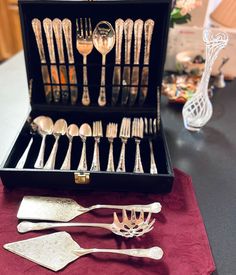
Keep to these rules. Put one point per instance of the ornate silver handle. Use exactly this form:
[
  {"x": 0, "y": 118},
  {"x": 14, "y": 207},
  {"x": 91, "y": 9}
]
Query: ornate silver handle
[
  {"x": 50, "y": 164},
  {"x": 57, "y": 27},
  {"x": 138, "y": 31},
  {"x": 96, "y": 161},
  {"x": 40, "y": 159},
  {"x": 47, "y": 25},
  {"x": 102, "y": 93},
  {"x": 67, "y": 29},
  {"x": 153, "y": 167},
  {"x": 119, "y": 27},
  {"x": 121, "y": 165},
  {"x": 155, "y": 252},
  {"x": 36, "y": 25},
  {"x": 83, "y": 159},
  {"x": 110, "y": 163},
  {"x": 85, "y": 96},
  {"x": 67, "y": 161},
  {"x": 138, "y": 167},
  {"x": 128, "y": 30},
  {"x": 148, "y": 31}
]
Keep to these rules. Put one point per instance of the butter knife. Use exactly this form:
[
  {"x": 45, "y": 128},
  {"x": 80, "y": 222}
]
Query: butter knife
[
  {"x": 138, "y": 31},
  {"x": 148, "y": 31},
  {"x": 67, "y": 30},
  {"x": 37, "y": 28},
  {"x": 47, "y": 25},
  {"x": 119, "y": 27},
  {"x": 128, "y": 31},
  {"x": 57, "y": 28}
]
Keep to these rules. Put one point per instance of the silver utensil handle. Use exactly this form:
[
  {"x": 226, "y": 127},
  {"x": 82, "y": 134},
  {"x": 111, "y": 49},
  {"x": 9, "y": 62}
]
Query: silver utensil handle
[
  {"x": 119, "y": 27},
  {"x": 22, "y": 160},
  {"x": 148, "y": 31},
  {"x": 96, "y": 161},
  {"x": 47, "y": 25},
  {"x": 67, "y": 29},
  {"x": 153, "y": 167},
  {"x": 36, "y": 25},
  {"x": 152, "y": 208},
  {"x": 102, "y": 93},
  {"x": 121, "y": 165},
  {"x": 85, "y": 96},
  {"x": 40, "y": 159},
  {"x": 50, "y": 164},
  {"x": 67, "y": 161},
  {"x": 155, "y": 252},
  {"x": 26, "y": 226},
  {"x": 128, "y": 31},
  {"x": 83, "y": 159},
  {"x": 138, "y": 167},
  {"x": 57, "y": 28},
  {"x": 110, "y": 163}
]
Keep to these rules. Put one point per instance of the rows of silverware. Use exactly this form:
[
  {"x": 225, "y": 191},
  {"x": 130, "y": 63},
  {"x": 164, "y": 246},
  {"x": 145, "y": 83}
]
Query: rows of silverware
[
  {"x": 60, "y": 81},
  {"x": 136, "y": 129},
  {"x": 45, "y": 249}
]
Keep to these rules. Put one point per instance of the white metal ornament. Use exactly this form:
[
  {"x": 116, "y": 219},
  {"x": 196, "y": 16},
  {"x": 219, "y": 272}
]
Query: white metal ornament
[{"x": 198, "y": 110}]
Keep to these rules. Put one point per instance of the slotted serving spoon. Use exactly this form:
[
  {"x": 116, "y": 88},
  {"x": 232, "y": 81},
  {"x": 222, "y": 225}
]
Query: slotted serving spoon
[
  {"x": 64, "y": 209},
  {"x": 55, "y": 251},
  {"x": 129, "y": 228}
]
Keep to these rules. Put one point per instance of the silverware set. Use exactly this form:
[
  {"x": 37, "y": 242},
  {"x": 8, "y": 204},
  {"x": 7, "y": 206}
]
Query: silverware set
[
  {"x": 136, "y": 129},
  {"x": 60, "y": 78},
  {"x": 52, "y": 246}
]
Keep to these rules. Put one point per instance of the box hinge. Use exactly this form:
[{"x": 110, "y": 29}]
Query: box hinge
[{"x": 82, "y": 177}]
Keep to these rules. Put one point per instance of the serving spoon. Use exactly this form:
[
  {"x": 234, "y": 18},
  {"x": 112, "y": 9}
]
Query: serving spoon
[
  {"x": 72, "y": 131},
  {"x": 44, "y": 129},
  {"x": 59, "y": 129}
]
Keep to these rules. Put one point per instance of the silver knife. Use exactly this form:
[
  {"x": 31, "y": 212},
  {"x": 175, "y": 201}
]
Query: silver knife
[
  {"x": 138, "y": 31},
  {"x": 128, "y": 30},
  {"x": 57, "y": 27},
  {"x": 67, "y": 30},
  {"x": 119, "y": 27},
  {"x": 148, "y": 31},
  {"x": 36, "y": 25},
  {"x": 47, "y": 25}
]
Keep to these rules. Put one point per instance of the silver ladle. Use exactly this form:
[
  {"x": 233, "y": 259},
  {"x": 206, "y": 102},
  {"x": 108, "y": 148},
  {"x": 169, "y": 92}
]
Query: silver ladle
[
  {"x": 59, "y": 129},
  {"x": 72, "y": 131}
]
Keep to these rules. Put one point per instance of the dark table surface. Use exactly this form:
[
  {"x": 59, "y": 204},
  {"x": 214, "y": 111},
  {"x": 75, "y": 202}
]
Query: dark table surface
[{"x": 209, "y": 156}]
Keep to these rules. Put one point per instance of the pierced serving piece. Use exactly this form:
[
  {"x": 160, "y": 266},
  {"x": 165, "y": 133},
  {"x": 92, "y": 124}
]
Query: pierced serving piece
[
  {"x": 137, "y": 134},
  {"x": 97, "y": 134},
  {"x": 111, "y": 133},
  {"x": 128, "y": 228},
  {"x": 57, "y": 250},
  {"x": 197, "y": 111},
  {"x": 84, "y": 43}
]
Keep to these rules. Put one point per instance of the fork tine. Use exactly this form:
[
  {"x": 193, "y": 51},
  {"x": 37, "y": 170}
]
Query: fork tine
[
  {"x": 146, "y": 125},
  {"x": 124, "y": 215},
  {"x": 86, "y": 27},
  {"x": 77, "y": 27},
  {"x": 141, "y": 127},
  {"x": 90, "y": 27},
  {"x": 115, "y": 218},
  {"x": 81, "y": 27},
  {"x": 133, "y": 216},
  {"x": 100, "y": 128},
  {"x": 148, "y": 217},
  {"x": 152, "y": 223},
  {"x": 155, "y": 126},
  {"x": 150, "y": 126},
  {"x": 141, "y": 215}
]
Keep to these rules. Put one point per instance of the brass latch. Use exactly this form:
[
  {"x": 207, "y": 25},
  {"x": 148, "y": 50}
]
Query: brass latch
[{"x": 82, "y": 177}]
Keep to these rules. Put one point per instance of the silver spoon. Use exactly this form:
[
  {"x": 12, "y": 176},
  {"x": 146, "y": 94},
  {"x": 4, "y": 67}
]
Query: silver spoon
[
  {"x": 104, "y": 41},
  {"x": 59, "y": 129},
  {"x": 44, "y": 129},
  {"x": 34, "y": 127},
  {"x": 72, "y": 131},
  {"x": 84, "y": 132}
]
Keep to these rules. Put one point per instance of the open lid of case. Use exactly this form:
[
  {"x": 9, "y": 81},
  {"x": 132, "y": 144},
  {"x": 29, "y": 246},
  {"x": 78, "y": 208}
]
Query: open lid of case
[{"x": 157, "y": 10}]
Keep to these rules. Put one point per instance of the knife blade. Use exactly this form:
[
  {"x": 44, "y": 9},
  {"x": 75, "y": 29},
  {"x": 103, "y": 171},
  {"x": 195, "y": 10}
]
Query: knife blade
[
  {"x": 37, "y": 28},
  {"x": 116, "y": 82},
  {"x": 138, "y": 31},
  {"x": 67, "y": 30},
  {"x": 48, "y": 29},
  {"x": 148, "y": 31},
  {"x": 128, "y": 31},
  {"x": 57, "y": 28}
]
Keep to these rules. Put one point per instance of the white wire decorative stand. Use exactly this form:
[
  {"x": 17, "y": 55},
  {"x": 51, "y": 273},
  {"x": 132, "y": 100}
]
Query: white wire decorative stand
[{"x": 198, "y": 110}]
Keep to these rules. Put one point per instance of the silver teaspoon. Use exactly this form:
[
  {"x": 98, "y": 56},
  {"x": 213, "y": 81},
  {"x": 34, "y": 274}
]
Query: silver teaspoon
[
  {"x": 72, "y": 131},
  {"x": 84, "y": 132},
  {"x": 59, "y": 129},
  {"x": 104, "y": 41},
  {"x": 44, "y": 129}
]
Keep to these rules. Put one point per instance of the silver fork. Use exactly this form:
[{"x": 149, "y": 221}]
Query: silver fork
[
  {"x": 137, "y": 134},
  {"x": 97, "y": 134},
  {"x": 111, "y": 133},
  {"x": 124, "y": 136},
  {"x": 150, "y": 130},
  {"x": 84, "y": 44}
]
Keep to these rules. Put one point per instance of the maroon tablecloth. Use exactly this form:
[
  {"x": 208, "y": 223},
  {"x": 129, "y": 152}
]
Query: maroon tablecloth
[{"x": 179, "y": 231}]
